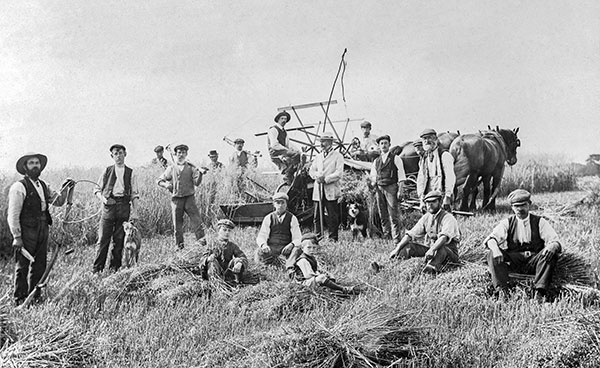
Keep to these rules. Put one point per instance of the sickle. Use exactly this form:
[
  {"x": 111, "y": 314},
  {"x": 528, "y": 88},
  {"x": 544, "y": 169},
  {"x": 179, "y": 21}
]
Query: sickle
[{"x": 44, "y": 278}]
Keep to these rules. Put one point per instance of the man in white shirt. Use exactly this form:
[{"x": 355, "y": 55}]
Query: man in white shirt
[
  {"x": 436, "y": 170},
  {"x": 282, "y": 153},
  {"x": 29, "y": 217},
  {"x": 387, "y": 174},
  {"x": 279, "y": 233},
  {"x": 118, "y": 191},
  {"x": 523, "y": 243}
]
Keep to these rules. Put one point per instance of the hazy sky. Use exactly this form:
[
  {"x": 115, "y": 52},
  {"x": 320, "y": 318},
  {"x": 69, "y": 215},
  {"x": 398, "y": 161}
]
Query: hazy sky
[{"x": 77, "y": 76}]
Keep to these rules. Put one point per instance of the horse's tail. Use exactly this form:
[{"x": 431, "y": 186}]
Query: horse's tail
[{"x": 462, "y": 166}]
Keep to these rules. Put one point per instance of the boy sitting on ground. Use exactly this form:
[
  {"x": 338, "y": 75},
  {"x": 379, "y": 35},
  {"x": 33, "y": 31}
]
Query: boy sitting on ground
[
  {"x": 305, "y": 267},
  {"x": 224, "y": 259}
]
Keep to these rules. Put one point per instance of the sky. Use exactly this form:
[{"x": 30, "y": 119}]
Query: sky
[{"x": 78, "y": 76}]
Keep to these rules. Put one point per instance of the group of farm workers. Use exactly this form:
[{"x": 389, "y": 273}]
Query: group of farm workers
[{"x": 523, "y": 243}]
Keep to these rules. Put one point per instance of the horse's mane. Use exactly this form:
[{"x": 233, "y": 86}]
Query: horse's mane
[{"x": 496, "y": 136}]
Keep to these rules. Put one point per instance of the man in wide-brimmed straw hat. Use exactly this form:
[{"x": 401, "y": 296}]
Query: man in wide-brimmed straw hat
[
  {"x": 118, "y": 191},
  {"x": 29, "y": 217},
  {"x": 282, "y": 153},
  {"x": 440, "y": 233},
  {"x": 387, "y": 175},
  {"x": 181, "y": 179},
  {"x": 327, "y": 169},
  {"x": 214, "y": 164},
  {"x": 436, "y": 170},
  {"x": 279, "y": 233},
  {"x": 523, "y": 243}
]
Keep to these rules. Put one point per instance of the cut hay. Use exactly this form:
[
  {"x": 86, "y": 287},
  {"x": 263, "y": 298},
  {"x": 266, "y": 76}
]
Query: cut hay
[
  {"x": 7, "y": 330},
  {"x": 62, "y": 346}
]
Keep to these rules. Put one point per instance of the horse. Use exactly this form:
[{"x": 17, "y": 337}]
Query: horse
[
  {"x": 482, "y": 156},
  {"x": 411, "y": 159}
]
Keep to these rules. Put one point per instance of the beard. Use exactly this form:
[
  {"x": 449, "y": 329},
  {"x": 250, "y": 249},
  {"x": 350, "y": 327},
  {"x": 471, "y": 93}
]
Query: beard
[
  {"x": 429, "y": 147},
  {"x": 33, "y": 173}
]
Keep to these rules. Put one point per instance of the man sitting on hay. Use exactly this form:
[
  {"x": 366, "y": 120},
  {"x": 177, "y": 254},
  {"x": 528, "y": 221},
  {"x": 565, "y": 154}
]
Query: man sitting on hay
[
  {"x": 523, "y": 243},
  {"x": 223, "y": 259},
  {"x": 440, "y": 232},
  {"x": 278, "y": 235}
]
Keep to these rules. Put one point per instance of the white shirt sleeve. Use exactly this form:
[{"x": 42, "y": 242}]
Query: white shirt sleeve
[
  {"x": 306, "y": 269},
  {"x": 16, "y": 197},
  {"x": 296, "y": 232},
  {"x": 547, "y": 233},
  {"x": 450, "y": 178},
  {"x": 265, "y": 230},
  {"x": 272, "y": 133},
  {"x": 400, "y": 165},
  {"x": 373, "y": 173},
  {"x": 500, "y": 232}
]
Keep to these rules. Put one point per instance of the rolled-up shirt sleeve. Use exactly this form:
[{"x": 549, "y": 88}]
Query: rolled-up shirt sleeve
[
  {"x": 450, "y": 228},
  {"x": 296, "y": 232},
  {"x": 418, "y": 231},
  {"x": 166, "y": 175},
  {"x": 306, "y": 269},
  {"x": 548, "y": 234},
  {"x": 400, "y": 165},
  {"x": 373, "y": 173},
  {"x": 450, "y": 177},
  {"x": 500, "y": 233},
  {"x": 100, "y": 185},
  {"x": 16, "y": 197},
  {"x": 272, "y": 133},
  {"x": 265, "y": 229}
]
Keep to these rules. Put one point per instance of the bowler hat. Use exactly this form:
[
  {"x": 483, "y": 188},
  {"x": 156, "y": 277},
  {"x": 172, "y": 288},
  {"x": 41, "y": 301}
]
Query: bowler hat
[
  {"x": 365, "y": 124},
  {"x": 226, "y": 222},
  {"x": 239, "y": 140},
  {"x": 23, "y": 160},
  {"x": 213, "y": 153},
  {"x": 283, "y": 113},
  {"x": 280, "y": 196},
  {"x": 383, "y": 137},
  {"x": 159, "y": 149},
  {"x": 181, "y": 147},
  {"x": 519, "y": 196},
  {"x": 310, "y": 236},
  {"x": 116, "y": 146},
  {"x": 326, "y": 136},
  {"x": 427, "y": 131},
  {"x": 433, "y": 195}
]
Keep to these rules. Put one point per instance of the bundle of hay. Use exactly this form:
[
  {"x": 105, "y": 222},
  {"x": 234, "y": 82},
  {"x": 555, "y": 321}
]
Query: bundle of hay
[{"x": 62, "y": 346}]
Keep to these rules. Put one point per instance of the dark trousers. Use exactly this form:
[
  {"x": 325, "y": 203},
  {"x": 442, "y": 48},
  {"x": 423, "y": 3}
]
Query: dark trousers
[
  {"x": 179, "y": 206},
  {"x": 446, "y": 253},
  {"x": 332, "y": 219},
  {"x": 111, "y": 225},
  {"x": 387, "y": 203},
  {"x": 214, "y": 270},
  {"x": 521, "y": 262},
  {"x": 34, "y": 233}
]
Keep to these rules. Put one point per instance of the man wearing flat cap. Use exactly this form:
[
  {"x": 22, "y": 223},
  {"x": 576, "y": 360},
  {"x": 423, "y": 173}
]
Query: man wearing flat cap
[
  {"x": 181, "y": 180},
  {"x": 214, "y": 163},
  {"x": 29, "y": 200},
  {"x": 160, "y": 159},
  {"x": 327, "y": 169},
  {"x": 278, "y": 235},
  {"x": 282, "y": 153},
  {"x": 387, "y": 175},
  {"x": 523, "y": 243},
  {"x": 368, "y": 142},
  {"x": 240, "y": 158},
  {"x": 418, "y": 144},
  {"x": 436, "y": 170},
  {"x": 223, "y": 259},
  {"x": 118, "y": 191},
  {"x": 436, "y": 236}
]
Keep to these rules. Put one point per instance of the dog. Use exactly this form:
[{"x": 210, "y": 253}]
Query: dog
[
  {"x": 133, "y": 243},
  {"x": 358, "y": 221}
]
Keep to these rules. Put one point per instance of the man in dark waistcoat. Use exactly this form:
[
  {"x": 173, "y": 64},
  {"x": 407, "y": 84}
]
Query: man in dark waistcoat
[
  {"x": 29, "y": 217},
  {"x": 436, "y": 236},
  {"x": 523, "y": 243},
  {"x": 118, "y": 190},
  {"x": 160, "y": 159},
  {"x": 278, "y": 235},
  {"x": 282, "y": 153},
  {"x": 387, "y": 174}
]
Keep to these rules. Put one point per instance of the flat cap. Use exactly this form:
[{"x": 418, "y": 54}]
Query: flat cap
[
  {"x": 433, "y": 195},
  {"x": 239, "y": 140},
  {"x": 213, "y": 153},
  {"x": 428, "y": 131},
  {"x": 519, "y": 196},
  {"x": 179, "y": 147},
  {"x": 383, "y": 137},
  {"x": 159, "y": 149},
  {"x": 365, "y": 124},
  {"x": 326, "y": 136},
  {"x": 283, "y": 113},
  {"x": 226, "y": 222},
  {"x": 418, "y": 143},
  {"x": 116, "y": 146},
  {"x": 310, "y": 236},
  {"x": 280, "y": 196}
]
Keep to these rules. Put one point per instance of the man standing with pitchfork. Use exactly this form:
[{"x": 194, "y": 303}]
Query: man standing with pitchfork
[{"x": 327, "y": 169}]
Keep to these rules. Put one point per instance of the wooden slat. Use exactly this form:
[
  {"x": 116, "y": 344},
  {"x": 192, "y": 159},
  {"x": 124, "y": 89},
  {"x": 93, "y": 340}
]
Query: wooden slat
[{"x": 305, "y": 106}]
